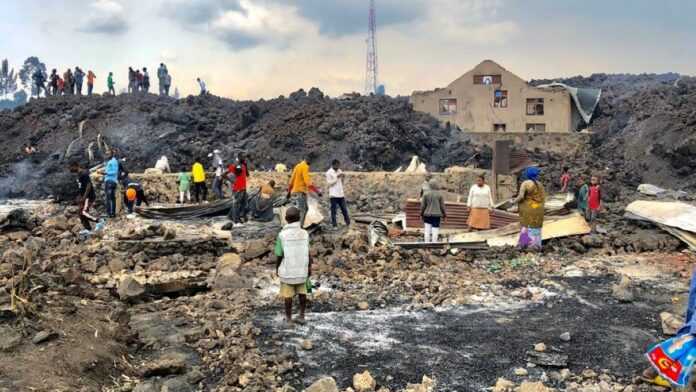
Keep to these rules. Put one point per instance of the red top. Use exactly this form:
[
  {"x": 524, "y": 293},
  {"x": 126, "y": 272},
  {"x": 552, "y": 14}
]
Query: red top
[
  {"x": 240, "y": 179},
  {"x": 594, "y": 198},
  {"x": 565, "y": 179}
]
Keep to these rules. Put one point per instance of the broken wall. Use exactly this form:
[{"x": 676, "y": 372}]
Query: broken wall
[{"x": 565, "y": 143}]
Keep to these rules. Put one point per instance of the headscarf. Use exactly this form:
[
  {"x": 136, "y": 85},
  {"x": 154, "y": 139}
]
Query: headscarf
[{"x": 532, "y": 173}]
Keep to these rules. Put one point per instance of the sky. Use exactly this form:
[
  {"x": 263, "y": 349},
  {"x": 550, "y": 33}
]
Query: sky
[{"x": 251, "y": 49}]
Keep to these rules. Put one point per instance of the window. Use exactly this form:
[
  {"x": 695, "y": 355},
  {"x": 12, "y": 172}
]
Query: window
[
  {"x": 448, "y": 106},
  {"x": 536, "y": 127},
  {"x": 487, "y": 79},
  {"x": 500, "y": 99},
  {"x": 535, "y": 106},
  {"x": 498, "y": 127}
]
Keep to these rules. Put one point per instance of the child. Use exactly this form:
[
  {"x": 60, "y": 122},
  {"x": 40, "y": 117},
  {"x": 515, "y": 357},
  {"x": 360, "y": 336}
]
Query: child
[
  {"x": 293, "y": 264},
  {"x": 594, "y": 199},
  {"x": 581, "y": 196},
  {"x": 184, "y": 181},
  {"x": 565, "y": 179}
]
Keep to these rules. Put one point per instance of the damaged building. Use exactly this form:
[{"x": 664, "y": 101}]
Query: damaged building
[{"x": 490, "y": 98}]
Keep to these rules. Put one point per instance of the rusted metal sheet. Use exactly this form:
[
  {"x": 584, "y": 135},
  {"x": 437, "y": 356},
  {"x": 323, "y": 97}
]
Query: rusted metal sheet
[{"x": 457, "y": 215}]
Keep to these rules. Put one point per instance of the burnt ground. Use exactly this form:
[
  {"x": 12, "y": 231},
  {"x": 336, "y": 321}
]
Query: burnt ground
[{"x": 466, "y": 348}]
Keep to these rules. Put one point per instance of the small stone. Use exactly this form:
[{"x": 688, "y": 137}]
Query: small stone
[
  {"x": 44, "y": 336},
  {"x": 129, "y": 289},
  {"x": 503, "y": 385},
  {"x": 540, "y": 347},
  {"x": 527, "y": 386},
  {"x": 363, "y": 382},
  {"x": 307, "y": 344},
  {"x": 363, "y": 305},
  {"x": 565, "y": 336},
  {"x": 169, "y": 234},
  {"x": 670, "y": 323},
  {"x": 521, "y": 372},
  {"x": 326, "y": 384},
  {"x": 117, "y": 265},
  {"x": 244, "y": 379},
  {"x": 589, "y": 373},
  {"x": 565, "y": 373}
]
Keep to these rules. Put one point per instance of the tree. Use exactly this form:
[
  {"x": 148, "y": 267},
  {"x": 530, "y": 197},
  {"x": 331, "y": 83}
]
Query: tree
[
  {"x": 26, "y": 74},
  {"x": 8, "y": 79}
]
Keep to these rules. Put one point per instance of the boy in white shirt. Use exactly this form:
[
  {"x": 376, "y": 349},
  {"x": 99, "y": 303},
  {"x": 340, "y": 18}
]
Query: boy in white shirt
[
  {"x": 293, "y": 263},
  {"x": 334, "y": 179}
]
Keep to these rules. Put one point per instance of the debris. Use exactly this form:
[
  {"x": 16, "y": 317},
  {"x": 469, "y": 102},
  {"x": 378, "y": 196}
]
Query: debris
[
  {"x": 416, "y": 166},
  {"x": 130, "y": 289},
  {"x": 326, "y": 384},
  {"x": 540, "y": 347},
  {"x": 227, "y": 272},
  {"x": 363, "y": 382},
  {"x": 307, "y": 345},
  {"x": 377, "y": 233},
  {"x": 44, "y": 336},
  {"x": 546, "y": 359},
  {"x": 622, "y": 290},
  {"x": 670, "y": 323},
  {"x": 503, "y": 385},
  {"x": 457, "y": 215},
  {"x": 521, "y": 372},
  {"x": 565, "y": 336},
  {"x": 528, "y": 386},
  {"x": 673, "y": 214},
  {"x": 427, "y": 385}
]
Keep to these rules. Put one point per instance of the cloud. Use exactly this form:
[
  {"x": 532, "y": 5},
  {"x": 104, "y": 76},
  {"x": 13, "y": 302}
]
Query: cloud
[
  {"x": 194, "y": 13},
  {"x": 105, "y": 17}
]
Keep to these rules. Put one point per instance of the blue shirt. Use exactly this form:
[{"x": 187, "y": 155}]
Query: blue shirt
[{"x": 111, "y": 172}]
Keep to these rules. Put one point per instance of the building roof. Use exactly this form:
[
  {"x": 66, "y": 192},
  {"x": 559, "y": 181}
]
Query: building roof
[{"x": 585, "y": 99}]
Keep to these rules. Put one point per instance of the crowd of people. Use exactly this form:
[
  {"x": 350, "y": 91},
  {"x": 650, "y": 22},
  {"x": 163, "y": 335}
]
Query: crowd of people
[{"x": 71, "y": 82}]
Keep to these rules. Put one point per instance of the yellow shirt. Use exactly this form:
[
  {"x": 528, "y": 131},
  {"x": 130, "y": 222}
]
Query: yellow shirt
[
  {"x": 198, "y": 173},
  {"x": 300, "y": 181}
]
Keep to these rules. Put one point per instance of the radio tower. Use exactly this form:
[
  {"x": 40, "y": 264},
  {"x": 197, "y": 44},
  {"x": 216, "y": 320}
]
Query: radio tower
[{"x": 371, "y": 69}]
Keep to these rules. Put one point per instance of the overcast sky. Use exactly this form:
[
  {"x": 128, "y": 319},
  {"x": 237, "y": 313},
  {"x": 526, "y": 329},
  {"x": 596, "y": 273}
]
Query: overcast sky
[{"x": 265, "y": 48}]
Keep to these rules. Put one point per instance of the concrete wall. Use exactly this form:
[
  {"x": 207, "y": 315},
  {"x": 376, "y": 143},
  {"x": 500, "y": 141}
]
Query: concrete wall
[
  {"x": 475, "y": 103},
  {"x": 557, "y": 142},
  {"x": 386, "y": 189}
]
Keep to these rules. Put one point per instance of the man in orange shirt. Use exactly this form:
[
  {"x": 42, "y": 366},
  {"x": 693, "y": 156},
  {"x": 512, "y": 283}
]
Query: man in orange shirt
[
  {"x": 90, "y": 81},
  {"x": 300, "y": 185}
]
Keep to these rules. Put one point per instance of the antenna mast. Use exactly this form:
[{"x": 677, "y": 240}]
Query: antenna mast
[{"x": 371, "y": 68}]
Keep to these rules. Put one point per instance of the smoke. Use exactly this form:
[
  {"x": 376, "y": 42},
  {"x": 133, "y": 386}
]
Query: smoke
[{"x": 21, "y": 177}]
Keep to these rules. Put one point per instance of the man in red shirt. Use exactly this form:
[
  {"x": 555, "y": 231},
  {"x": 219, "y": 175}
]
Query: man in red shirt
[
  {"x": 594, "y": 200},
  {"x": 240, "y": 171}
]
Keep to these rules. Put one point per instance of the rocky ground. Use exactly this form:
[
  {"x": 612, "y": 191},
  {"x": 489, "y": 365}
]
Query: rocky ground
[{"x": 166, "y": 306}]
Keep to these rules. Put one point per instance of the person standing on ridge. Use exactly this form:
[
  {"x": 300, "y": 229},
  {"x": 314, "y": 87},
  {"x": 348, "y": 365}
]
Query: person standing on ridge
[
  {"x": 79, "y": 78},
  {"x": 90, "y": 82},
  {"x": 161, "y": 74},
  {"x": 39, "y": 82},
  {"x": 110, "y": 84},
  {"x": 131, "y": 80},
  {"x": 68, "y": 83},
  {"x": 167, "y": 83},
  {"x": 298, "y": 188},
  {"x": 146, "y": 81}
]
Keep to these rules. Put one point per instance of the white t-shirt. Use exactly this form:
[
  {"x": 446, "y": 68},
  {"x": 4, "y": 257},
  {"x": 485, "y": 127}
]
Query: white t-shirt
[
  {"x": 335, "y": 184},
  {"x": 480, "y": 197}
]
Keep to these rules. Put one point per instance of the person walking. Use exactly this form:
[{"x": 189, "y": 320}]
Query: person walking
[
  {"x": 184, "y": 182},
  {"x": 200, "y": 190},
  {"x": 299, "y": 187},
  {"x": 110, "y": 84},
  {"x": 111, "y": 174},
  {"x": 480, "y": 203},
  {"x": 79, "y": 78},
  {"x": 201, "y": 84},
  {"x": 239, "y": 190},
  {"x": 432, "y": 212},
  {"x": 337, "y": 198},
  {"x": 146, "y": 81},
  {"x": 293, "y": 263},
  {"x": 161, "y": 73},
  {"x": 530, "y": 199},
  {"x": 90, "y": 82}
]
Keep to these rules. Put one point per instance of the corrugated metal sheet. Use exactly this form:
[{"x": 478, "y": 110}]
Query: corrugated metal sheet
[{"x": 457, "y": 215}]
